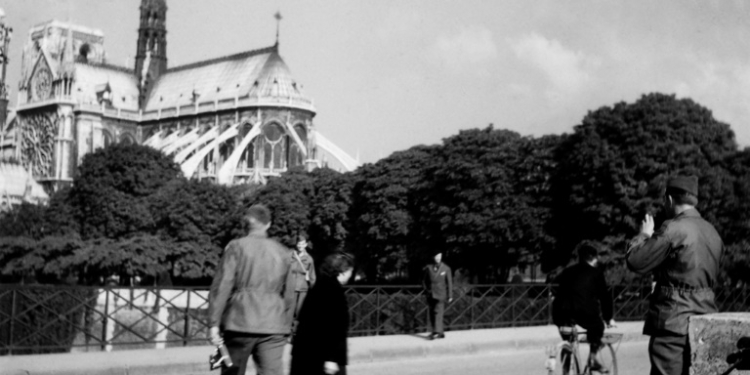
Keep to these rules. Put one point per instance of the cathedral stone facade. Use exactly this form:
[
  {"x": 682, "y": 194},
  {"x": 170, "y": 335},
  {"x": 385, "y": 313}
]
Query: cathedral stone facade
[{"x": 232, "y": 119}]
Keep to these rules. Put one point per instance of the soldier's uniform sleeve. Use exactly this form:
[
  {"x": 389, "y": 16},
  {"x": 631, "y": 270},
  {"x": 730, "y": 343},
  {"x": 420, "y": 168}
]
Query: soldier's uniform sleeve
[
  {"x": 646, "y": 253},
  {"x": 222, "y": 284}
]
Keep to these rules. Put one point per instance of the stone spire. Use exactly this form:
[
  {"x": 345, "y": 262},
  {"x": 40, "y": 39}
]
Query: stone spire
[{"x": 151, "y": 53}]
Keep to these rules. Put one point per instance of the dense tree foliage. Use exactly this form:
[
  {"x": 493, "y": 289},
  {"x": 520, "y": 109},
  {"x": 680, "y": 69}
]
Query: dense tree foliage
[
  {"x": 288, "y": 197},
  {"x": 112, "y": 189},
  {"x": 489, "y": 199},
  {"x": 329, "y": 211},
  {"x": 382, "y": 213},
  {"x": 129, "y": 214},
  {"x": 613, "y": 167},
  {"x": 474, "y": 206}
]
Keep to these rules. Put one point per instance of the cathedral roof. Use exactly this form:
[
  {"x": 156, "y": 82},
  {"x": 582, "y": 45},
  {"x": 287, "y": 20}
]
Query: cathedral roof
[
  {"x": 258, "y": 77},
  {"x": 91, "y": 79}
]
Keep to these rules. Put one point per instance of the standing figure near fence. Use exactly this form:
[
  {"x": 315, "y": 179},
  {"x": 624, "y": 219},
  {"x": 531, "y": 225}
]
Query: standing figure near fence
[
  {"x": 303, "y": 268},
  {"x": 438, "y": 285},
  {"x": 583, "y": 298},
  {"x": 320, "y": 343},
  {"x": 252, "y": 298},
  {"x": 684, "y": 256}
]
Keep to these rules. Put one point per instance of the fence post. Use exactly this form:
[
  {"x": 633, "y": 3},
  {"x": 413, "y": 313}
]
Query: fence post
[
  {"x": 105, "y": 320},
  {"x": 471, "y": 306},
  {"x": 377, "y": 311},
  {"x": 12, "y": 319},
  {"x": 186, "y": 329},
  {"x": 513, "y": 304},
  {"x": 162, "y": 320},
  {"x": 549, "y": 303}
]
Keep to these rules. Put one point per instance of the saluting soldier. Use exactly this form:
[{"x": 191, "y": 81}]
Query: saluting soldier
[{"x": 684, "y": 256}]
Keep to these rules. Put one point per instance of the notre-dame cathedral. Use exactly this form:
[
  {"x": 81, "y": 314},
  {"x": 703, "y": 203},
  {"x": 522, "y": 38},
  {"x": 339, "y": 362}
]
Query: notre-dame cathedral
[{"x": 231, "y": 119}]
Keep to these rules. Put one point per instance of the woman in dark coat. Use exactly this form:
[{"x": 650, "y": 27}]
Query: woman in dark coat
[{"x": 319, "y": 346}]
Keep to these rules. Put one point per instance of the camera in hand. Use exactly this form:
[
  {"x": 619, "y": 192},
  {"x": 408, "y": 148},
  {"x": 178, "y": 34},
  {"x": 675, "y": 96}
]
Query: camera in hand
[
  {"x": 740, "y": 360},
  {"x": 220, "y": 356}
]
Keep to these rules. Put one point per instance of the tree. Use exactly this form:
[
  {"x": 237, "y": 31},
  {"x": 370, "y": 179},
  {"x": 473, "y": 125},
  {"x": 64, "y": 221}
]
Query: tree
[
  {"x": 383, "y": 232},
  {"x": 25, "y": 220},
  {"x": 481, "y": 205},
  {"x": 110, "y": 193},
  {"x": 195, "y": 220},
  {"x": 330, "y": 203},
  {"x": 613, "y": 167},
  {"x": 288, "y": 198}
]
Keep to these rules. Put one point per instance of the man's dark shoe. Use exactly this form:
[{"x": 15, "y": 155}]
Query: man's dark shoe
[
  {"x": 440, "y": 336},
  {"x": 431, "y": 336}
]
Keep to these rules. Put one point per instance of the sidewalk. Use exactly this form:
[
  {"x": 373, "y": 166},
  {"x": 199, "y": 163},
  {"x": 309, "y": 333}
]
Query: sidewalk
[{"x": 194, "y": 360}]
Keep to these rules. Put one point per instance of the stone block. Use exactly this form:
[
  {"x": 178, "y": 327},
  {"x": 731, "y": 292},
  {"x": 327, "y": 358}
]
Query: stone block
[{"x": 713, "y": 338}]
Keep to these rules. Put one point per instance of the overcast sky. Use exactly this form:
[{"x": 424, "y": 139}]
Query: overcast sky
[{"x": 386, "y": 75}]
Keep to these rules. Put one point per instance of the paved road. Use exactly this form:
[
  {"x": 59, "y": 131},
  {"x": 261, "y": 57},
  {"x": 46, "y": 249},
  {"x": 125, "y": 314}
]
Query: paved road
[{"x": 632, "y": 359}]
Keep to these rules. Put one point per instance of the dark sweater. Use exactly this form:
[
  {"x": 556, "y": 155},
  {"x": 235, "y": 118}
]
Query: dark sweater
[
  {"x": 581, "y": 294},
  {"x": 323, "y": 328}
]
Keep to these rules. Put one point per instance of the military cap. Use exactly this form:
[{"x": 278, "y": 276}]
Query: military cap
[{"x": 687, "y": 184}]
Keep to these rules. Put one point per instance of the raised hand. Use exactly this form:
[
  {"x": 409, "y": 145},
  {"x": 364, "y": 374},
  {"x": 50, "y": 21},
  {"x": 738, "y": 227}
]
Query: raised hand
[{"x": 647, "y": 225}]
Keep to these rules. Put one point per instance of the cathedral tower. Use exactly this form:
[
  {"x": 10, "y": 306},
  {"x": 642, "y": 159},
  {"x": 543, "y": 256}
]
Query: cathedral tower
[{"x": 151, "y": 55}]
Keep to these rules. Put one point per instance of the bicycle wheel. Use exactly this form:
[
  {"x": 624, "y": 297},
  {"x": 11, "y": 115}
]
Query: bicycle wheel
[
  {"x": 567, "y": 361},
  {"x": 608, "y": 359}
]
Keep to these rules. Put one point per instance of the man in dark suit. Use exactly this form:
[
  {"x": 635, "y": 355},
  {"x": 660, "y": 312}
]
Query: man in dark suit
[
  {"x": 582, "y": 298},
  {"x": 438, "y": 284}
]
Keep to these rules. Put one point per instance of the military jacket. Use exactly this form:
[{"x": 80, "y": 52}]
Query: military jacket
[{"x": 684, "y": 256}]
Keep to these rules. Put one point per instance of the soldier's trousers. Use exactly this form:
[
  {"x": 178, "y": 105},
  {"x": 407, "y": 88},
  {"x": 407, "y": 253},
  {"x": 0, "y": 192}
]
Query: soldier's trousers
[
  {"x": 669, "y": 354},
  {"x": 437, "y": 309}
]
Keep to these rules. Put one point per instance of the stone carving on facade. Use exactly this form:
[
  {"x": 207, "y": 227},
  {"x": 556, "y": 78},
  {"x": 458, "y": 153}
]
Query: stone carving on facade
[{"x": 38, "y": 133}]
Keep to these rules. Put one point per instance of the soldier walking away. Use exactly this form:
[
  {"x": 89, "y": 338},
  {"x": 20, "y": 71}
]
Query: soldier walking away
[
  {"x": 438, "y": 285},
  {"x": 684, "y": 256},
  {"x": 252, "y": 297}
]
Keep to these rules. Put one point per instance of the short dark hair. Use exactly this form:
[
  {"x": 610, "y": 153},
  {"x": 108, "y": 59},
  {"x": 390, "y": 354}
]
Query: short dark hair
[
  {"x": 301, "y": 236},
  {"x": 587, "y": 251},
  {"x": 336, "y": 263},
  {"x": 259, "y": 212},
  {"x": 680, "y": 196}
]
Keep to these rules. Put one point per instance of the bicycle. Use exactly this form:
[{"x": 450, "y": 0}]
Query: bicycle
[{"x": 565, "y": 357}]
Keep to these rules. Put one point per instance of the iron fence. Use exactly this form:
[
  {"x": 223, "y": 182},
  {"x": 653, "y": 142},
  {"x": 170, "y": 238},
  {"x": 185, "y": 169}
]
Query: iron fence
[{"x": 46, "y": 319}]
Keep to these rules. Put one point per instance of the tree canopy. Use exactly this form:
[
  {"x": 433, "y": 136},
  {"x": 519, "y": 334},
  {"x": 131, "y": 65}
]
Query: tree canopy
[{"x": 489, "y": 199}]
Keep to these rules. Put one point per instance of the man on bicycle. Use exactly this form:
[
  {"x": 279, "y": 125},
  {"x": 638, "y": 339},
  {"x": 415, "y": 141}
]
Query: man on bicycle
[{"x": 582, "y": 298}]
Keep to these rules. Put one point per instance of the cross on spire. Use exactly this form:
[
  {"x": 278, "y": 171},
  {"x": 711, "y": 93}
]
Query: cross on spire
[{"x": 278, "y": 22}]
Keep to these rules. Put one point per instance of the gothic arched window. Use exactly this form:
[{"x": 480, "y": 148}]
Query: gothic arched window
[
  {"x": 296, "y": 156},
  {"x": 271, "y": 139},
  {"x": 127, "y": 139},
  {"x": 106, "y": 138}
]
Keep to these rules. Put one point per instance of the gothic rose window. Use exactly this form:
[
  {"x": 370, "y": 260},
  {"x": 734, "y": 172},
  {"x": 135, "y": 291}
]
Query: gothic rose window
[{"x": 42, "y": 84}]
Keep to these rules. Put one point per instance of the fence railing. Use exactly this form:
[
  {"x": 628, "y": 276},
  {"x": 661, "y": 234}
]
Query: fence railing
[{"x": 46, "y": 319}]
